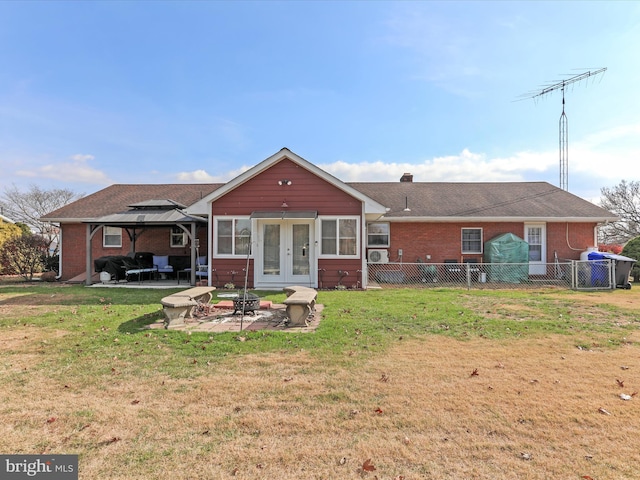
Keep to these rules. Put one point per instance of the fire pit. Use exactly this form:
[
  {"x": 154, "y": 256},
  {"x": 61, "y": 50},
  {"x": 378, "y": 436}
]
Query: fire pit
[{"x": 248, "y": 303}]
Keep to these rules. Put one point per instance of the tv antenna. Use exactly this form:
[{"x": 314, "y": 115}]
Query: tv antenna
[{"x": 564, "y": 125}]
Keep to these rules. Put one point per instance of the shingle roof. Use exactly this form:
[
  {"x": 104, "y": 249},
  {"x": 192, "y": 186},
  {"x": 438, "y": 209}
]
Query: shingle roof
[
  {"x": 480, "y": 200},
  {"x": 118, "y": 198},
  {"x": 435, "y": 200}
]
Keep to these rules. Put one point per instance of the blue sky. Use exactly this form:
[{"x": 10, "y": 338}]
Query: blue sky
[{"x": 95, "y": 93}]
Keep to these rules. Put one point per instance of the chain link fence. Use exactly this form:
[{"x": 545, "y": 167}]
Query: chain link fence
[{"x": 573, "y": 274}]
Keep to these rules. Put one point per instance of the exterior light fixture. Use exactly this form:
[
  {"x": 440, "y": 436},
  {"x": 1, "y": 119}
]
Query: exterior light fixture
[{"x": 285, "y": 182}]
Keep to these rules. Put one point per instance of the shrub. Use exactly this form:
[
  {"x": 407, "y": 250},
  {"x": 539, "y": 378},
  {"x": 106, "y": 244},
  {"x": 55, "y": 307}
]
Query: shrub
[
  {"x": 23, "y": 255},
  {"x": 48, "y": 276},
  {"x": 632, "y": 250}
]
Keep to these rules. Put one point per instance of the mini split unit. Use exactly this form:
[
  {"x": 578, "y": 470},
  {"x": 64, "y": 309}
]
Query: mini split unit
[{"x": 378, "y": 255}]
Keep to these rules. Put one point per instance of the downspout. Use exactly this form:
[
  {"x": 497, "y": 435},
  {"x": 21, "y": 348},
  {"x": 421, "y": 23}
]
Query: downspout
[
  {"x": 210, "y": 247},
  {"x": 59, "y": 253},
  {"x": 363, "y": 248},
  {"x": 87, "y": 280}
]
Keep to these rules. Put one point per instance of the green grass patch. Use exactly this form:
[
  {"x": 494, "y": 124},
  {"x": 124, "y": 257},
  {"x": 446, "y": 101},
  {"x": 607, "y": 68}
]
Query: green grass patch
[{"x": 103, "y": 332}]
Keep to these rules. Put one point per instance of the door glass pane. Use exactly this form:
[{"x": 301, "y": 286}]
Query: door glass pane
[
  {"x": 271, "y": 250},
  {"x": 534, "y": 239},
  {"x": 300, "y": 248},
  {"x": 535, "y": 253}
]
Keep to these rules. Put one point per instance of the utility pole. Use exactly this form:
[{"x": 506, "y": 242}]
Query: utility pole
[{"x": 563, "y": 124}]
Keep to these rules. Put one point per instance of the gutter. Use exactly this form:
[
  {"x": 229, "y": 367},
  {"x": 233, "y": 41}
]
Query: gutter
[{"x": 449, "y": 219}]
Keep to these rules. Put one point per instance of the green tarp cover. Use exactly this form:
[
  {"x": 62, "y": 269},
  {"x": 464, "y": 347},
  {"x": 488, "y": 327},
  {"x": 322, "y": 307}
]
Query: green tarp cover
[{"x": 507, "y": 259}]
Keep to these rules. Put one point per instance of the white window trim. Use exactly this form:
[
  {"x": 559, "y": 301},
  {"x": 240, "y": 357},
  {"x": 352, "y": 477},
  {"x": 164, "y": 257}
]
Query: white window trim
[
  {"x": 184, "y": 238},
  {"x": 388, "y": 244},
  {"x": 462, "y": 251},
  {"x": 104, "y": 234},
  {"x": 231, "y": 218},
  {"x": 336, "y": 218}
]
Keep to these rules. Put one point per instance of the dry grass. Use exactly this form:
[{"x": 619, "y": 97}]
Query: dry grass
[
  {"x": 417, "y": 411},
  {"x": 430, "y": 407}
]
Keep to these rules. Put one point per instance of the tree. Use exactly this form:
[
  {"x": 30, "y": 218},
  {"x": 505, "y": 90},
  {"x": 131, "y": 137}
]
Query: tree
[
  {"x": 28, "y": 207},
  {"x": 632, "y": 250},
  {"x": 24, "y": 255},
  {"x": 7, "y": 232},
  {"x": 624, "y": 201}
]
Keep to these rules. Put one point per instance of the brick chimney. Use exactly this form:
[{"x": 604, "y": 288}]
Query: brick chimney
[{"x": 407, "y": 177}]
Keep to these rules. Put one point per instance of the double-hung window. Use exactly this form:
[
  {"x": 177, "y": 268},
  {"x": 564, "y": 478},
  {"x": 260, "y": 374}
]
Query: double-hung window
[
  {"x": 233, "y": 236},
  {"x": 112, "y": 237},
  {"x": 378, "y": 235},
  {"x": 339, "y": 237},
  {"x": 178, "y": 237},
  {"x": 471, "y": 240}
]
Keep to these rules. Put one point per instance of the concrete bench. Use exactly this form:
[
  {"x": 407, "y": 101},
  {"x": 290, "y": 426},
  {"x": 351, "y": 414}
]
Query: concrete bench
[
  {"x": 300, "y": 302},
  {"x": 179, "y": 306}
]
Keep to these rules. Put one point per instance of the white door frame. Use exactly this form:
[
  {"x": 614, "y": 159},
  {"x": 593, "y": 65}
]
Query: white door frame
[
  {"x": 537, "y": 267},
  {"x": 286, "y": 276}
]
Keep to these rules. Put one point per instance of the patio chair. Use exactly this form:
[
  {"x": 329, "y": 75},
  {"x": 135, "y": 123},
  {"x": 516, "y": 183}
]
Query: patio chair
[
  {"x": 454, "y": 271},
  {"x": 202, "y": 269},
  {"x": 161, "y": 262},
  {"x": 141, "y": 263},
  {"x": 474, "y": 269}
]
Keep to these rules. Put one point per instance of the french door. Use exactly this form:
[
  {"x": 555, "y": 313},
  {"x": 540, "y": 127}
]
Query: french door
[{"x": 286, "y": 253}]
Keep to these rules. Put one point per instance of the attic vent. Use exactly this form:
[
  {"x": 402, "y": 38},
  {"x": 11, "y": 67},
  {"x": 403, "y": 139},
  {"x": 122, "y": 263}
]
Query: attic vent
[{"x": 407, "y": 177}]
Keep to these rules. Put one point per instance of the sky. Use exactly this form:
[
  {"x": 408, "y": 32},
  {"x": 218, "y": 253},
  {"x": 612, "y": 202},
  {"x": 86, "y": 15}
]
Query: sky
[{"x": 96, "y": 93}]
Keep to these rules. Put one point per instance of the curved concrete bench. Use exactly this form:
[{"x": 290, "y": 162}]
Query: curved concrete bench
[
  {"x": 179, "y": 306},
  {"x": 300, "y": 302}
]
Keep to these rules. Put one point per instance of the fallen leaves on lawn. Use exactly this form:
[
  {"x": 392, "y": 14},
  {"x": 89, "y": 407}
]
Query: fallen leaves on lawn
[{"x": 367, "y": 466}]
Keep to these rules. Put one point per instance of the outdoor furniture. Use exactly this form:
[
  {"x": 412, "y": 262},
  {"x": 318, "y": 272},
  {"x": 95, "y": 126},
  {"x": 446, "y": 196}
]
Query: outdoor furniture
[
  {"x": 454, "y": 271},
  {"x": 428, "y": 273},
  {"x": 161, "y": 262},
  {"x": 300, "y": 303},
  {"x": 179, "y": 306},
  {"x": 141, "y": 263},
  {"x": 472, "y": 265},
  {"x": 202, "y": 269}
]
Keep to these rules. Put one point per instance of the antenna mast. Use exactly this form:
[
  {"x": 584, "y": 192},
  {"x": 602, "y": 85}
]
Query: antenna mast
[{"x": 563, "y": 124}]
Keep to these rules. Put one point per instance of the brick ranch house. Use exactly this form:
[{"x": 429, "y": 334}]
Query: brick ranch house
[{"x": 288, "y": 222}]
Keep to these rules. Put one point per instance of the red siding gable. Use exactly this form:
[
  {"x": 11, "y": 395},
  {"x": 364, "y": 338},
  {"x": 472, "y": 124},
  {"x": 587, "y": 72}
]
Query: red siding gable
[{"x": 306, "y": 192}]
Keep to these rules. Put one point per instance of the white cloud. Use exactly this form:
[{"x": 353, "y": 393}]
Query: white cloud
[
  {"x": 79, "y": 157},
  {"x": 74, "y": 170},
  {"x": 201, "y": 176},
  {"x": 464, "y": 167}
]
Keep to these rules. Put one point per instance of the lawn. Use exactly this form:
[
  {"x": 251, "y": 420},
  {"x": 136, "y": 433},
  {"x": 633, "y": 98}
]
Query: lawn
[{"x": 402, "y": 384}]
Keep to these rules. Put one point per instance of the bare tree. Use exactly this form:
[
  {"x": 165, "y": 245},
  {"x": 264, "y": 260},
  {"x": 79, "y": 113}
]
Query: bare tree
[
  {"x": 29, "y": 206},
  {"x": 624, "y": 201}
]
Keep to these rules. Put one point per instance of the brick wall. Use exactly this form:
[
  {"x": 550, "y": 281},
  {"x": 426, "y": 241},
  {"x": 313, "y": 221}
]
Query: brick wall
[
  {"x": 154, "y": 240},
  {"x": 443, "y": 240}
]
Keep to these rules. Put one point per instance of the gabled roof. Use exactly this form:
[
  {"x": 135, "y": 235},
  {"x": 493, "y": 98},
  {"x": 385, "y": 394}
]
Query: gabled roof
[
  {"x": 201, "y": 207},
  {"x": 486, "y": 201},
  {"x": 118, "y": 198},
  {"x": 395, "y": 201}
]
